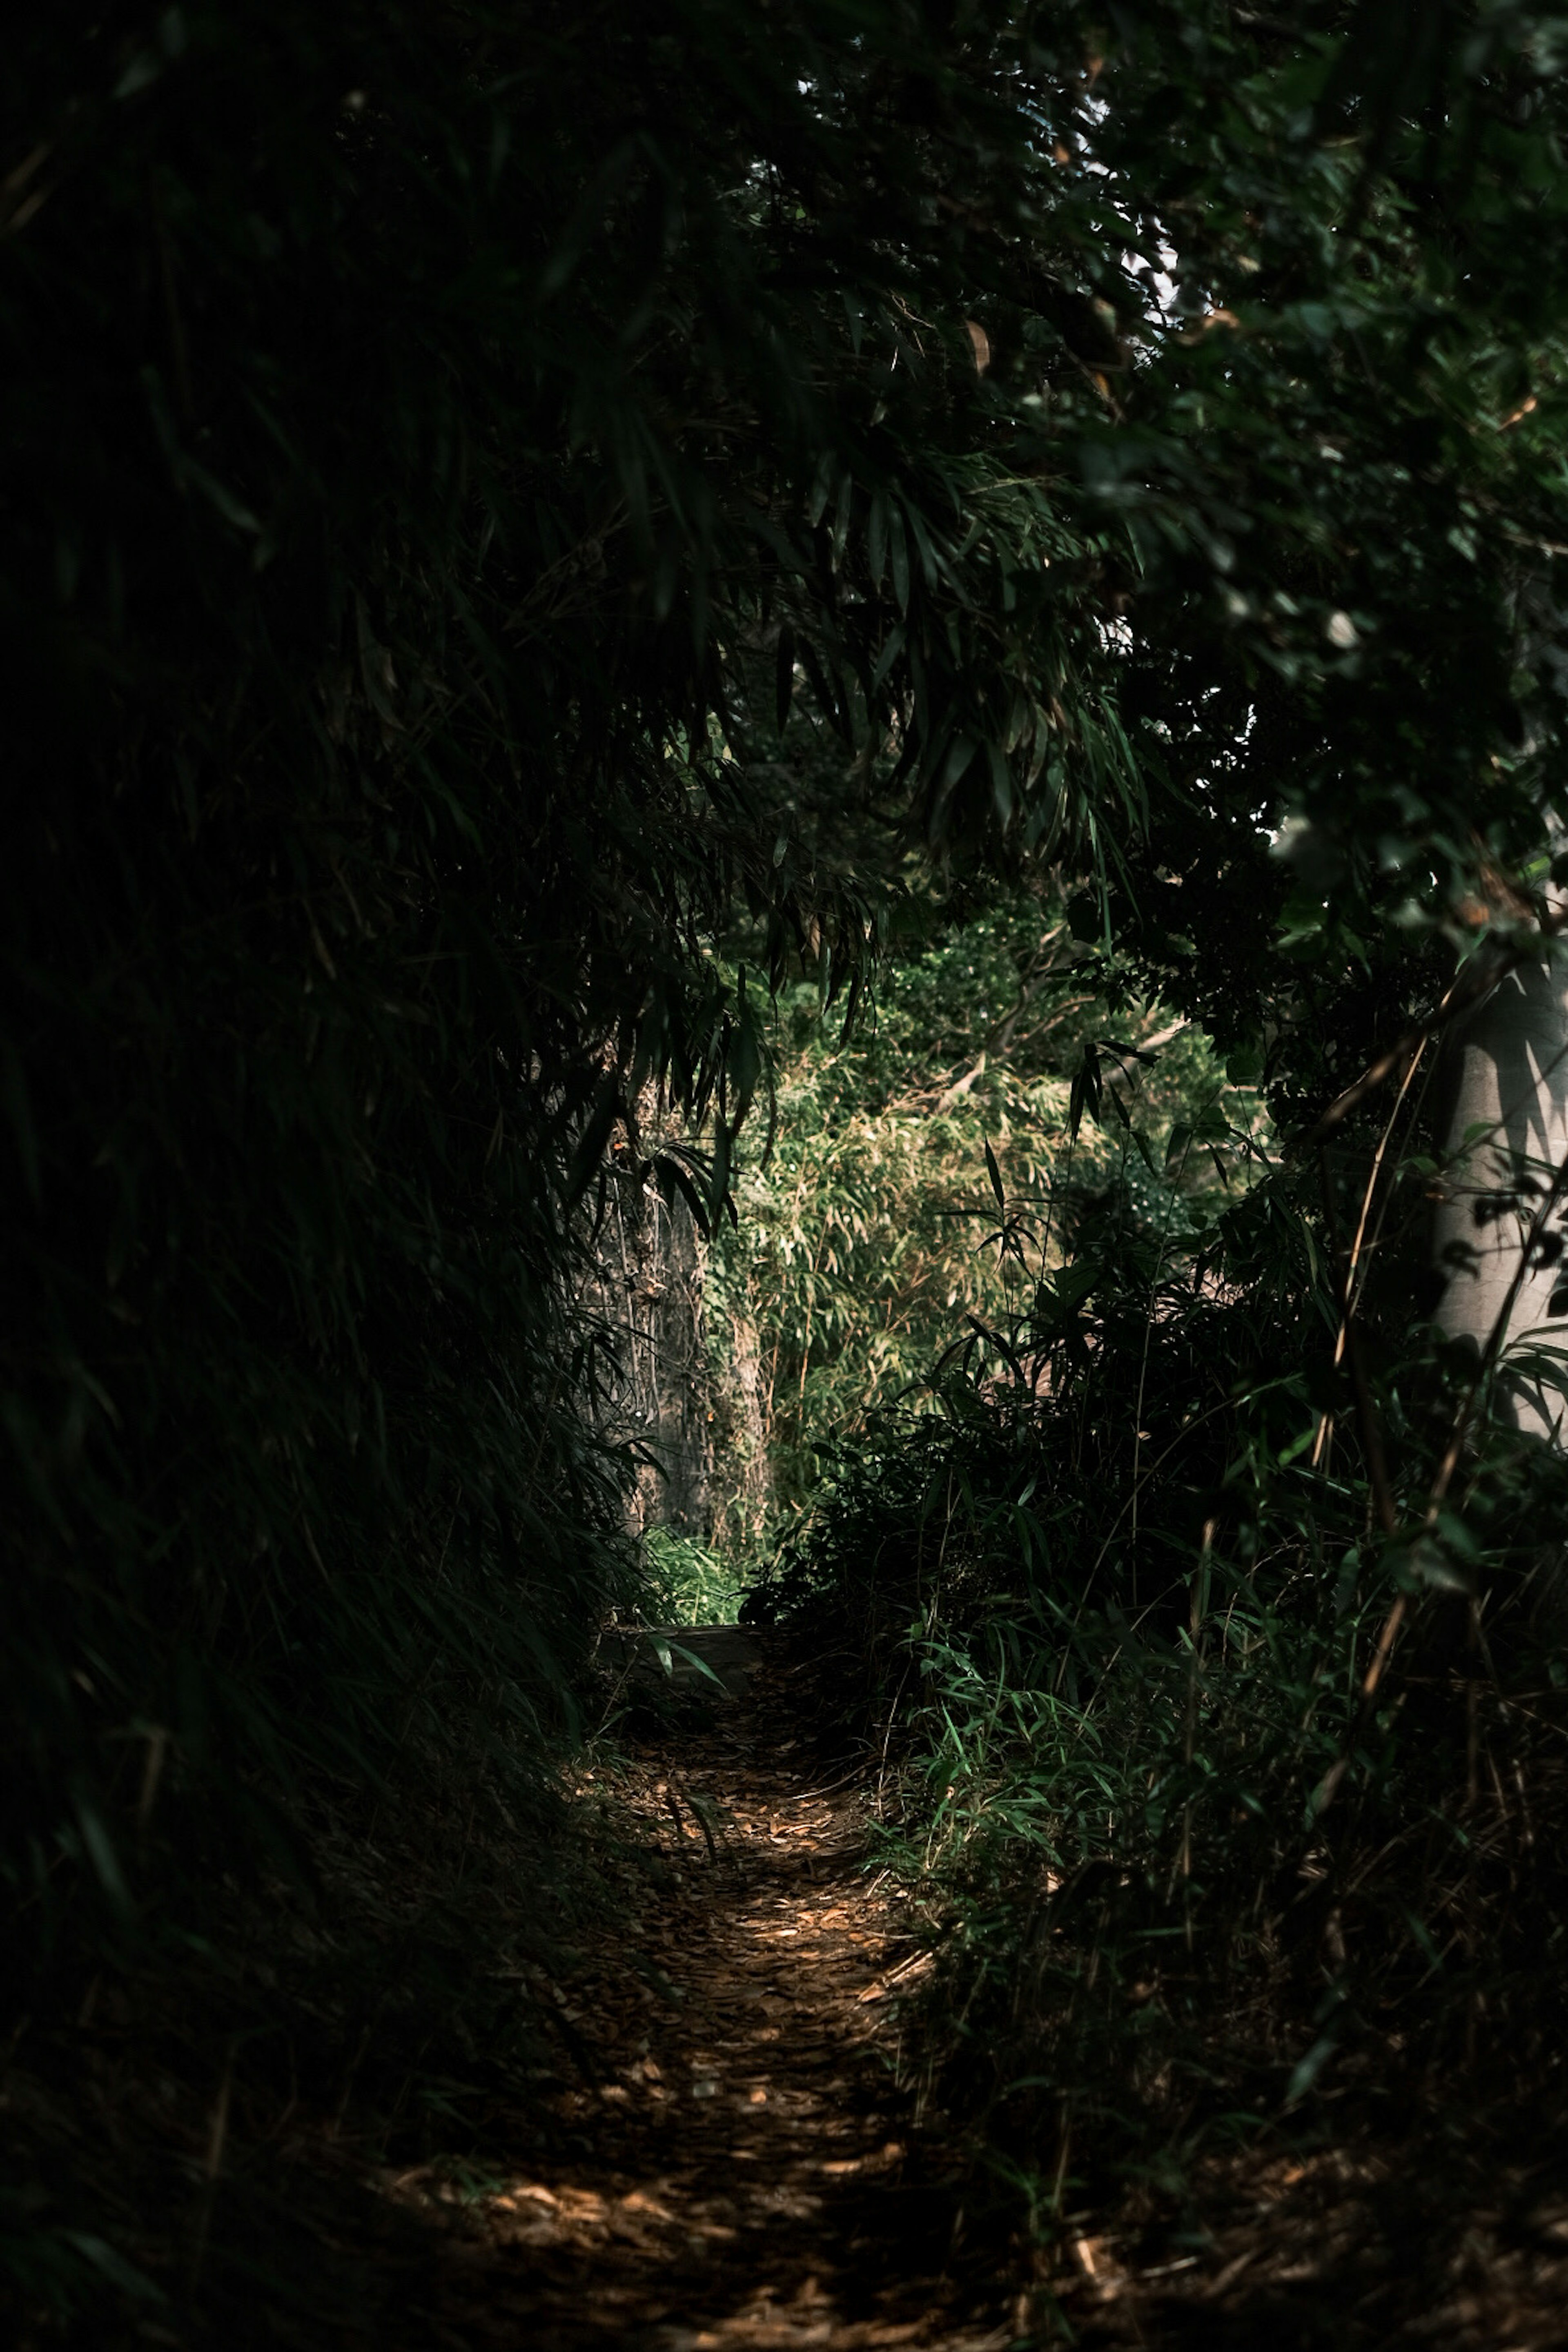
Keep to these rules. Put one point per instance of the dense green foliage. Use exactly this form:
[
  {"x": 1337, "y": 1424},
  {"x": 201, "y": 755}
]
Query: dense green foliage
[
  {"x": 870, "y": 1241},
  {"x": 1219, "y": 1735},
  {"x": 426, "y": 436},
  {"x": 503, "y": 505},
  {"x": 1118, "y": 1618}
]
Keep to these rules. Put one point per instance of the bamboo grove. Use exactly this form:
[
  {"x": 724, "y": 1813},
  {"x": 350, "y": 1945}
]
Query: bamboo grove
[{"x": 531, "y": 530}]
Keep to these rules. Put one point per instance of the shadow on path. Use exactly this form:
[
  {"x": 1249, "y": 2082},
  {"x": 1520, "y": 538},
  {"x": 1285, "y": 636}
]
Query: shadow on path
[{"x": 740, "y": 2171}]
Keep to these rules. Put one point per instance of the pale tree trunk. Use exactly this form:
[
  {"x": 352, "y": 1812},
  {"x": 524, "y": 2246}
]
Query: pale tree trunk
[{"x": 1507, "y": 1069}]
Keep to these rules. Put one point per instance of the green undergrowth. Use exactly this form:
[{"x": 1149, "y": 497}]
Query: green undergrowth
[
  {"x": 688, "y": 1582},
  {"x": 1232, "y": 1797},
  {"x": 868, "y": 1230},
  {"x": 1152, "y": 1946}
]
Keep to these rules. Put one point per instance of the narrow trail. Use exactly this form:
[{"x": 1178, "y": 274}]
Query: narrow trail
[
  {"x": 731, "y": 2163},
  {"x": 704, "y": 2147},
  {"x": 742, "y": 2170}
]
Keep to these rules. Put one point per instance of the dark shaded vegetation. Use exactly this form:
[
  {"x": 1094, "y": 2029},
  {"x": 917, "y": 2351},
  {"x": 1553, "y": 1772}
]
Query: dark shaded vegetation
[
  {"x": 511, "y": 562},
  {"x": 1230, "y": 1777}
]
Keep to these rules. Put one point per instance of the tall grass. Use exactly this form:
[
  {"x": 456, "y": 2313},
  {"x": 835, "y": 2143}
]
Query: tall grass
[
  {"x": 1226, "y": 1792},
  {"x": 688, "y": 1582}
]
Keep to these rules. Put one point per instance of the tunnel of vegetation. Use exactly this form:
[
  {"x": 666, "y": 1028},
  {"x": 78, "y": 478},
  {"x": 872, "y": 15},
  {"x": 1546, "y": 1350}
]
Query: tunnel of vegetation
[{"x": 924, "y": 641}]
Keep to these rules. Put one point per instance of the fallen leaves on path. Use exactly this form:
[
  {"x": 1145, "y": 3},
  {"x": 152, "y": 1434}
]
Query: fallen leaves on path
[
  {"x": 670, "y": 2121},
  {"x": 739, "y": 2169}
]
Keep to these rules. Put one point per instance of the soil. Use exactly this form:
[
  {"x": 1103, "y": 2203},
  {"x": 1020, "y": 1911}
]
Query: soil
[
  {"x": 747, "y": 2171},
  {"x": 720, "y": 2148}
]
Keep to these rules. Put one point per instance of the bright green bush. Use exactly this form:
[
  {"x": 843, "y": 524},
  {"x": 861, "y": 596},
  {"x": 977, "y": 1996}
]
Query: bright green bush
[
  {"x": 870, "y": 1243},
  {"x": 1218, "y": 1740},
  {"x": 688, "y": 1581}
]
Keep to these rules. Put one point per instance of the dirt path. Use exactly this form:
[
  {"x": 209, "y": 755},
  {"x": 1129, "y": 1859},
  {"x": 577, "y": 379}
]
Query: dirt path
[
  {"x": 742, "y": 2172},
  {"x": 706, "y": 2150},
  {"x": 732, "y": 2165}
]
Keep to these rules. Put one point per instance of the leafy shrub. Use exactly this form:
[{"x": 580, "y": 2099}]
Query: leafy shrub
[
  {"x": 871, "y": 1231},
  {"x": 688, "y": 1582},
  {"x": 394, "y": 590},
  {"x": 1222, "y": 1793}
]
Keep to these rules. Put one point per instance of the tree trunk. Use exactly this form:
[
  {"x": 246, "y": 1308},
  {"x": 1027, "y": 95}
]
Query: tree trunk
[
  {"x": 695, "y": 1411},
  {"x": 1507, "y": 1070},
  {"x": 666, "y": 1407}
]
